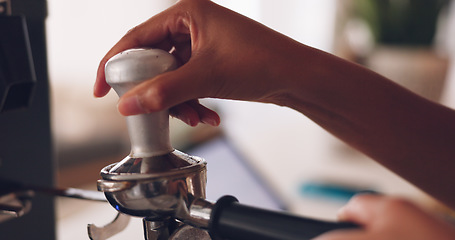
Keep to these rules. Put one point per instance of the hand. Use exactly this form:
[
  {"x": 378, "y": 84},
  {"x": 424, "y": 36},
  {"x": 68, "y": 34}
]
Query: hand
[
  {"x": 223, "y": 55},
  {"x": 389, "y": 218},
  {"x": 226, "y": 55}
]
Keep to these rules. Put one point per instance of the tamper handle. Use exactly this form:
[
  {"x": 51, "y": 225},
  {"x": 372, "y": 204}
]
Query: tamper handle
[{"x": 149, "y": 133}]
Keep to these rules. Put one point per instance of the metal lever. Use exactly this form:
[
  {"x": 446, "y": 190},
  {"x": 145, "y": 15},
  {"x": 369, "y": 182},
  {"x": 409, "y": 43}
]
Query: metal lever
[
  {"x": 16, "y": 197},
  {"x": 117, "y": 225},
  {"x": 10, "y": 186}
]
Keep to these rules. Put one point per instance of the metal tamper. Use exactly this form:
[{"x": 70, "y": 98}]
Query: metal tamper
[{"x": 154, "y": 180}]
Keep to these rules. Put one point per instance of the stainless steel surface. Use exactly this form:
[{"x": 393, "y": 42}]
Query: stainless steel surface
[
  {"x": 18, "y": 187},
  {"x": 101, "y": 233},
  {"x": 198, "y": 213},
  {"x": 149, "y": 133},
  {"x": 73, "y": 193},
  {"x": 113, "y": 186},
  {"x": 187, "y": 232},
  {"x": 155, "y": 181},
  {"x": 170, "y": 164},
  {"x": 157, "y": 195},
  {"x": 156, "y": 229}
]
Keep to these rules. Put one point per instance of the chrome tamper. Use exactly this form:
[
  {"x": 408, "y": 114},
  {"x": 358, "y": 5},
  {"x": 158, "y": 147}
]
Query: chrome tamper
[{"x": 154, "y": 180}]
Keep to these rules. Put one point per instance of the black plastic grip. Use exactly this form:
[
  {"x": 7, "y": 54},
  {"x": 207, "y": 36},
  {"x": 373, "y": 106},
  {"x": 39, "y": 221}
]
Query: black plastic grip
[{"x": 233, "y": 221}]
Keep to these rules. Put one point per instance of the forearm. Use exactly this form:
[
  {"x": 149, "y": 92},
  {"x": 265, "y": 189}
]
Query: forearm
[{"x": 405, "y": 132}]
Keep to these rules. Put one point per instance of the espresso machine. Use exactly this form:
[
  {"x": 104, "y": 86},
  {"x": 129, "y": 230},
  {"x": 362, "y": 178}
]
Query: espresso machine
[
  {"x": 25, "y": 135},
  {"x": 166, "y": 187}
]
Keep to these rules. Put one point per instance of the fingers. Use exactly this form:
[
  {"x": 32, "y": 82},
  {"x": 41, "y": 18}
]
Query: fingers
[
  {"x": 206, "y": 115},
  {"x": 192, "y": 113},
  {"x": 166, "y": 90},
  {"x": 385, "y": 217},
  {"x": 171, "y": 91},
  {"x": 361, "y": 208},
  {"x": 344, "y": 235},
  {"x": 131, "y": 40},
  {"x": 186, "y": 113},
  {"x": 152, "y": 33}
]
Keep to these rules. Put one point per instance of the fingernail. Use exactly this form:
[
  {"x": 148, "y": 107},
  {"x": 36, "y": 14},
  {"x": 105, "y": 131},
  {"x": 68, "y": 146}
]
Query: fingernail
[
  {"x": 209, "y": 121},
  {"x": 190, "y": 122},
  {"x": 341, "y": 213},
  {"x": 130, "y": 106}
]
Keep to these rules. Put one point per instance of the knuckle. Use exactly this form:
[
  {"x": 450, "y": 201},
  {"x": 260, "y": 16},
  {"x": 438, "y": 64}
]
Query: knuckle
[
  {"x": 132, "y": 30},
  {"x": 155, "y": 98},
  {"x": 395, "y": 204},
  {"x": 360, "y": 198},
  {"x": 132, "y": 34}
]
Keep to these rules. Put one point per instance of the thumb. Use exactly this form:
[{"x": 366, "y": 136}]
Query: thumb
[
  {"x": 165, "y": 91},
  {"x": 361, "y": 209}
]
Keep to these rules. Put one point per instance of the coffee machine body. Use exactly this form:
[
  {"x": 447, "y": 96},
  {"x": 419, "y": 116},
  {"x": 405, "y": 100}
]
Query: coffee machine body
[{"x": 25, "y": 136}]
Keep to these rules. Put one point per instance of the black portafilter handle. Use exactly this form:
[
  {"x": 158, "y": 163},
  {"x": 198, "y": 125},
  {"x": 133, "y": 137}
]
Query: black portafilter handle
[{"x": 234, "y": 221}]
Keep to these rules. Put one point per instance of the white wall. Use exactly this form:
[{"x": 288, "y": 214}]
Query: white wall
[
  {"x": 307, "y": 21},
  {"x": 79, "y": 33}
]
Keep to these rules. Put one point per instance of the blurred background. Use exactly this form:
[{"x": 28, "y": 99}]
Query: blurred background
[{"x": 266, "y": 155}]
